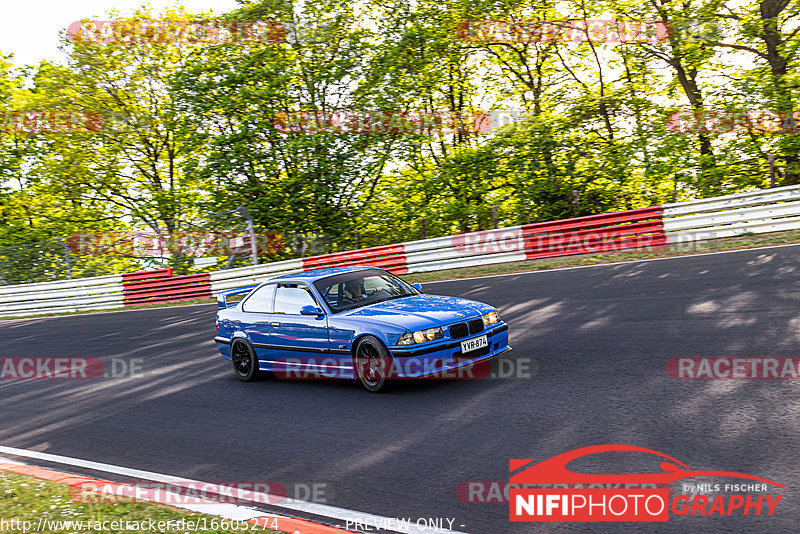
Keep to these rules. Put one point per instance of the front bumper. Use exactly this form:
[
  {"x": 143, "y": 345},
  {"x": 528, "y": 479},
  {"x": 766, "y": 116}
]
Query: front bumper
[{"x": 444, "y": 358}]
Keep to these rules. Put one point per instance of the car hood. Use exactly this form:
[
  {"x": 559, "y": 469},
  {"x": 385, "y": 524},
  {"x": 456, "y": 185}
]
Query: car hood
[{"x": 421, "y": 311}]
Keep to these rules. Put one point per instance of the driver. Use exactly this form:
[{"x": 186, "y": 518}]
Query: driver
[{"x": 354, "y": 289}]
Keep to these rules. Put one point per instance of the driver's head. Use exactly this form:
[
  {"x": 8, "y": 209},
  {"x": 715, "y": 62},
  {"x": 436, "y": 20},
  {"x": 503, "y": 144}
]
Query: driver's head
[{"x": 354, "y": 287}]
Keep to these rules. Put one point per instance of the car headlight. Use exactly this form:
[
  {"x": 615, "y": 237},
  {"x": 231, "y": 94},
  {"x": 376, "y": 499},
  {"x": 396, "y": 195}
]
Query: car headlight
[
  {"x": 491, "y": 318},
  {"x": 420, "y": 336},
  {"x": 406, "y": 339}
]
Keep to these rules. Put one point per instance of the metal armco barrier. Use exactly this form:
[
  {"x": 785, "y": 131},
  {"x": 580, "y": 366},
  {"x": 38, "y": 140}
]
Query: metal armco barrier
[
  {"x": 389, "y": 257},
  {"x": 151, "y": 287},
  {"x": 98, "y": 293},
  {"x": 769, "y": 210},
  {"x": 245, "y": 276},
  {"x": 594, "y": 233}
]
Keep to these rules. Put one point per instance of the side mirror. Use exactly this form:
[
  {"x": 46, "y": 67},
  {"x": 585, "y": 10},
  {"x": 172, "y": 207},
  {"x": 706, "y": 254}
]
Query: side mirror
[
  {"x": 418, "y": 287},
  {"x": 308, "y": 309}
]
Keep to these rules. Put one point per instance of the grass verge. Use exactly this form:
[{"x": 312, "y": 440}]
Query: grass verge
[
  {"x": 744, "y": 241},
  {"x": 29, "y": 505}
]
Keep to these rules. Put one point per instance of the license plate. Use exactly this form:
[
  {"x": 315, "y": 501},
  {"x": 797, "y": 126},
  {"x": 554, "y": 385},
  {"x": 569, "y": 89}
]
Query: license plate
[{"x": 474, "y": 344}]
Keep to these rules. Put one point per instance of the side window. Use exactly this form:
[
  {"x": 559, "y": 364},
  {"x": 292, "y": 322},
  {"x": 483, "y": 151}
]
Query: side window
[
  {"x": 291, "y": 297},
  {"x": 261, "y": 300}
]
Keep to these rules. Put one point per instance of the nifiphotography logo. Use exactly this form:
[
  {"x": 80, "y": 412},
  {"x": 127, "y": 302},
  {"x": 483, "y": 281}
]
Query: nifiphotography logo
[{"x": 572, "y": 496}]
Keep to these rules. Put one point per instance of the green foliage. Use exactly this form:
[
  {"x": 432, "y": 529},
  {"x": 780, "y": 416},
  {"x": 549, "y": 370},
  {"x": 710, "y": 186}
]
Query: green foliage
[
  {"x": 289, "y": 181},
  {"x": 205, "y": 125}
]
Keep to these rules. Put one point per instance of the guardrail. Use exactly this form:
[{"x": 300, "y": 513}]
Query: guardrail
[
  {"x": 595, "y": 233},
  {"x": 152, "y": 287},
  {"x": 771, "y": 210},
  {"x": 103, "y": 292},
  {"x": 757, "y": 212},
  {"x": 254, "y": 274}
]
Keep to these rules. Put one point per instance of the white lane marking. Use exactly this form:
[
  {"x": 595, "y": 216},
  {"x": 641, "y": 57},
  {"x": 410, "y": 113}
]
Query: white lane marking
[
  {"x": 322, "y": 510},
  {"x": 611, "y": 264},
  {"x": 233, "y": 512}
]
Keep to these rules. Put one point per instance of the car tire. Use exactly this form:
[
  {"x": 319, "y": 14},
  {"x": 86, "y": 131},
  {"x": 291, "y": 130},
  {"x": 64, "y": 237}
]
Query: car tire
[
  {"x": 373, "y": 365},
  {"x": 244, "y": 360}
]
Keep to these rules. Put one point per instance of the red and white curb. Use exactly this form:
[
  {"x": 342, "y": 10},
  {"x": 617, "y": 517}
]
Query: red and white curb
[
  {"x": 288, "y": 524},
  {"x": 232, "y": 512}
]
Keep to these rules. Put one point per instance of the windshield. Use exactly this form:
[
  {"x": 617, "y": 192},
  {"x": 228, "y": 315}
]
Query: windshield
[{"x": 360, "y": 288}]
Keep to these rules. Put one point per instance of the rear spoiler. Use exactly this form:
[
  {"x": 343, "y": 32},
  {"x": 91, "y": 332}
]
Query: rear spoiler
[{"x": 222, "y": 296}]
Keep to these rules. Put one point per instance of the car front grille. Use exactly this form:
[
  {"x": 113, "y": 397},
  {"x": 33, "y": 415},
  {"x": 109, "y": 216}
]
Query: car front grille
[
  {"x": 459, "y": 330},
  {"x": 476, "y": 325}
]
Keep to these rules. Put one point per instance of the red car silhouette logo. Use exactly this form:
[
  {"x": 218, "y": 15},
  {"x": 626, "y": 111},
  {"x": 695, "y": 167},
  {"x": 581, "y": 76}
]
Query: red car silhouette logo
[{"x": 554, "y": 470}]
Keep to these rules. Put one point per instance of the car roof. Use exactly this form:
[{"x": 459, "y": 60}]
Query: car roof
[{"x": 317, "y": 274}]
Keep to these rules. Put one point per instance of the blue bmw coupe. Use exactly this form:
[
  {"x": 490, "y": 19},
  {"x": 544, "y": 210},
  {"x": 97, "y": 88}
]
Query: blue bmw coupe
[{"x": 354, "y": 322}]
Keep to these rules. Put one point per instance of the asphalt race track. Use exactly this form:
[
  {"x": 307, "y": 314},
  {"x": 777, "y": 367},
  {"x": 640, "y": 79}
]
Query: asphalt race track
[{"x": 598, "y": 339}]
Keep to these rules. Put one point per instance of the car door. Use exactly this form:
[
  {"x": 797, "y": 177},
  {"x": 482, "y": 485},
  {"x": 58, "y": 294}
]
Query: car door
[
  {"x": 297, "y": 338},
  {"x": 257, "y": 313}
]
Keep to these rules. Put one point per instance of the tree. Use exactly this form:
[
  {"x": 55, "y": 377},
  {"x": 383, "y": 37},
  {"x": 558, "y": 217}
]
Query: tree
[
  {"x": 262, "y": 115},
  {"x": 131, "y": 157}
]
